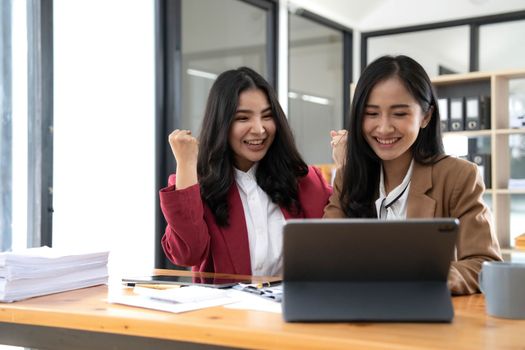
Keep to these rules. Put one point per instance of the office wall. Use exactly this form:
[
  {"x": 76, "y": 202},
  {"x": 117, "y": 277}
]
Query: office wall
[
  {"x": 365, "y": 16},
  {"x": 386, "y": 14},
  {"x": 445, "y": 47},
  {"x": 104, "y": 193},
  {"x": 402, "y": 13}
]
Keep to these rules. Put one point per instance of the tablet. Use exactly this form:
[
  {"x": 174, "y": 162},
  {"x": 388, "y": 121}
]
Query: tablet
[
  {"x": 368, "y": 270},
  {"x": 184, "y": 280}
]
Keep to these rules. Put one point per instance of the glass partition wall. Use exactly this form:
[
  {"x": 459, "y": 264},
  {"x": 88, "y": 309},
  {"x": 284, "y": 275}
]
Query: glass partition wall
[
  {"x": 439, "y": 51},
  {"x": 14, "y": 125},
  {"x": 498, "y": 54},
  {"x": 225, "y": 44},
  {"x": 317, "y": 96},
  {"x": 6, "y": 127}
]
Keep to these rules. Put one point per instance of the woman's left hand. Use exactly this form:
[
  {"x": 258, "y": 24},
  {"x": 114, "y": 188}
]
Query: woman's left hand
[{"x": 338, "y": 143}]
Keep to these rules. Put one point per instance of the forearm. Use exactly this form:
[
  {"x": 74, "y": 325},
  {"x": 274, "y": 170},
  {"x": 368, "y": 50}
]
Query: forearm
[
  {"x": 185, "y": 149},
  {"x": 463, "y": 275},
  {"x": 334, "y": 207},
  {"x": 182, "y": 249},
  {"x": 186, "y": 239},
  {"x": 477, "y": 241},
  {"x": 186, "y": 175}
]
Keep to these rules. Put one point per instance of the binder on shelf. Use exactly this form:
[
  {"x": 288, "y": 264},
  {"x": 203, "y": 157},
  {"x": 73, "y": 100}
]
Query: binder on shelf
[
  {"x": 472, "y": 113},
  {"x": 443, "y": 113},
  {"x": 516, "y": 111},
  {"x": 484, "y": 167},
  {"x": 484, "y": 103},
  {"x": 457, "y": 115}
]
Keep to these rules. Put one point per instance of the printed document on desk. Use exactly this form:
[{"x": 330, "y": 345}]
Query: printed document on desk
[{"x": 175, "y": 300}]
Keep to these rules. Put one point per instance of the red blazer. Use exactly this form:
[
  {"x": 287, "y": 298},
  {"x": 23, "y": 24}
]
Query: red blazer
[{"x": 193, "y": 238}]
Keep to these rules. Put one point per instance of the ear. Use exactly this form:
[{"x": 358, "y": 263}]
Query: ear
[{"x": 427, "y": 117}]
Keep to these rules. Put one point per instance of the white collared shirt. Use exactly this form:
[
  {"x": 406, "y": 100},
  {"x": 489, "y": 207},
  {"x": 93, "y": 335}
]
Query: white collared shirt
[
  {"x": 264, "y": 221},
  {"x": 394, "y": 205}
]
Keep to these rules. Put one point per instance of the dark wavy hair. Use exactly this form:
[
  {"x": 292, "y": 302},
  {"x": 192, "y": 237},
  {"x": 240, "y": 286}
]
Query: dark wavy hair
[
  {"x": 279, "y": 170},
  {"x": 362, "y": 170}
]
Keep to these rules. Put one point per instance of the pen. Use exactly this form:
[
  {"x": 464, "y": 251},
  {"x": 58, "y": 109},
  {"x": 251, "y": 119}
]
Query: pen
[
  {"x": 265, "y": 293},
  {"x": 153, "y": 286},
  {"x": 268, "y": 284},
  {"x": 252, "y": 289}
]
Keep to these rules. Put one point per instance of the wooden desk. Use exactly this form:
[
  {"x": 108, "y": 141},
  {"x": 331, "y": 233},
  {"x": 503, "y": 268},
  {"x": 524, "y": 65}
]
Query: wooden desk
[{"x": 82, "y": 319}]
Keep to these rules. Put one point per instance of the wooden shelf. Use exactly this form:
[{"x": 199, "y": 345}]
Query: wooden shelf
[
  {"x": 469, "y": 133},
  {"x": 509, "y": 131},
  {"x": 487, "y": 132},
  {"x": 460, "y": 78},
  {"x": 509, "y": 191},
  {"x": 496, "y": 85}
]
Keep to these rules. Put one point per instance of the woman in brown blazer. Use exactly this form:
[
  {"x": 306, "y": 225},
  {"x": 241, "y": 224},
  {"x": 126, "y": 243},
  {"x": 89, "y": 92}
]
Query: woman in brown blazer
[{"x": 395, "y": 166}]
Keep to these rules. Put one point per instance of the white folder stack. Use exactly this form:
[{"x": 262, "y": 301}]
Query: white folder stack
[{"x": 38, "y": 271}]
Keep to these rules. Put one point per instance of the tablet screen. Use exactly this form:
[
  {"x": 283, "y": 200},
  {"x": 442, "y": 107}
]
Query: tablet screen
[{"x": 184, "y": 280}]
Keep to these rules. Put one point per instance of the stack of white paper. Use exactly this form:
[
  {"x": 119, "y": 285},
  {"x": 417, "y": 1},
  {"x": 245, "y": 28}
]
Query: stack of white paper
[{"x": 38, "y": 271}]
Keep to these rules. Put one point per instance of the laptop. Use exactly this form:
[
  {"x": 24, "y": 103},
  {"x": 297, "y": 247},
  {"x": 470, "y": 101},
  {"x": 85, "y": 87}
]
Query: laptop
[{"x": 368, "y": 270}]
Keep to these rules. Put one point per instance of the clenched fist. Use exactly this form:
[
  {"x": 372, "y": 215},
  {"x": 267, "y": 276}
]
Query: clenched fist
[
  {"x": 339, "y": 140},
  {"x": 185, "y": 148}
]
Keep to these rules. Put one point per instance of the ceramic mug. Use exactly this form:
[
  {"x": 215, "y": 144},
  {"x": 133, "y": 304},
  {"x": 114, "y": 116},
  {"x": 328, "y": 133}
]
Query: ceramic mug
[{"x": 503, "y": 284}]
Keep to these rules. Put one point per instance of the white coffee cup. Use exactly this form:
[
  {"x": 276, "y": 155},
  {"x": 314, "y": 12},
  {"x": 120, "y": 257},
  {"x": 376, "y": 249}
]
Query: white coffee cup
[{"x": 503, "y": 284}]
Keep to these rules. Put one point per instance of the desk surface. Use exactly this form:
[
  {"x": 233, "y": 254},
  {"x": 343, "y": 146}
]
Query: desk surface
[{"x": 87, "y": 310}]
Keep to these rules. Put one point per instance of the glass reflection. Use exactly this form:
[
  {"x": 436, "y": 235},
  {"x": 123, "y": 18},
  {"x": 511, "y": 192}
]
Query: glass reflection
[
  {"x": 439, "y": 51},
  {"x": 315, "y": 98},
  {"x": 498, "y": 54},
  {"x": 225, "y": 44}
]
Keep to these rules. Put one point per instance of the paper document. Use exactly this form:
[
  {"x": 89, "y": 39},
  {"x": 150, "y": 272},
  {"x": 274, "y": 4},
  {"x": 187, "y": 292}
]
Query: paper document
[
  {"x": 38, "y": 271},
  {"x": 175, "y": 299},
  {"x": 248, "y": 301}
]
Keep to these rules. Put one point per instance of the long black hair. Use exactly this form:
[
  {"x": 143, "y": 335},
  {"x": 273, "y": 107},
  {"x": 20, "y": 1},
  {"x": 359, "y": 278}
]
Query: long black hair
[
  {"x": 363, "y": 166},
  {"x": 279, "y": 170}
]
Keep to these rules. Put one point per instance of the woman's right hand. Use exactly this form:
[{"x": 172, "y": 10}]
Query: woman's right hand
[
  {"x": 184, "y": 146},
  {"x": 185, "y": 149}
]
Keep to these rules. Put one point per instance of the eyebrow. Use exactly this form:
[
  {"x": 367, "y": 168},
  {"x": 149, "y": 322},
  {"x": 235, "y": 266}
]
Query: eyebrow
[
  {"x": 393, "y": 106},
  {"x": 267, "y": 109}
]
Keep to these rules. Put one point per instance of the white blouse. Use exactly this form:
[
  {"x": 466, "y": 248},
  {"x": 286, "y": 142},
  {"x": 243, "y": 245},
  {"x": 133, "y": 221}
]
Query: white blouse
[
  {"x": 264, "y": 221},
  {"x": 394, "y": 205}
]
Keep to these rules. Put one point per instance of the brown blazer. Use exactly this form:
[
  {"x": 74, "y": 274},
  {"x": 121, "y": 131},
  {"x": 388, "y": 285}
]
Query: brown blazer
[{"x": 451, "y": 187}]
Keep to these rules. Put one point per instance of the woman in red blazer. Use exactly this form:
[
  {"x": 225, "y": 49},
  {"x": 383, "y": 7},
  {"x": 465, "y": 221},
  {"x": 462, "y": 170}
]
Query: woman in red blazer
[{"x": 238, "y": 182}]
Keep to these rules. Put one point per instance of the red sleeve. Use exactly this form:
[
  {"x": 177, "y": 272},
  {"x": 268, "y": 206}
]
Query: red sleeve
[
  {"x": 186, "y": 240},
  {"x": 314, "y": 193}
]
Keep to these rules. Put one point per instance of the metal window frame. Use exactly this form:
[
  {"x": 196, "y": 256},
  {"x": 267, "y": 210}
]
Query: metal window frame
[
  {"x": 473, "y": 23},
  {"x": 40, "y": 122},
  {"x": 6, "y": 127},
  {"x": 347, "y": 53},
  {"x": 168, "y": 92}
]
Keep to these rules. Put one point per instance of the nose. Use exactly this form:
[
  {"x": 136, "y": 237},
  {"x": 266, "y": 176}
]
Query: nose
[
  {"x": 384, "y": 125},
  {"x": 257, "y": 126}
]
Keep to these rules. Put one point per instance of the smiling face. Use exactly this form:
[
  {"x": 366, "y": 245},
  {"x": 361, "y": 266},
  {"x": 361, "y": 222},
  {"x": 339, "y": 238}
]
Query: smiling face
[
  {"x": 392, "y": 121},
  {"x": 252, "y": 130}
]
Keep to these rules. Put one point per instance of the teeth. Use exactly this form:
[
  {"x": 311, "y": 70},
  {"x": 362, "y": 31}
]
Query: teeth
[
  {"x": 387, "y": 141},
  {"x": 254, "y": 142}
]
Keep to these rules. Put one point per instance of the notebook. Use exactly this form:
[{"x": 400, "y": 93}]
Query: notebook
[{"x": 368, "y": 270}]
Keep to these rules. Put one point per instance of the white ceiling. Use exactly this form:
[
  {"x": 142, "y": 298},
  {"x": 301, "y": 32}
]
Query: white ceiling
[{"x": 368, "y": 15}]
